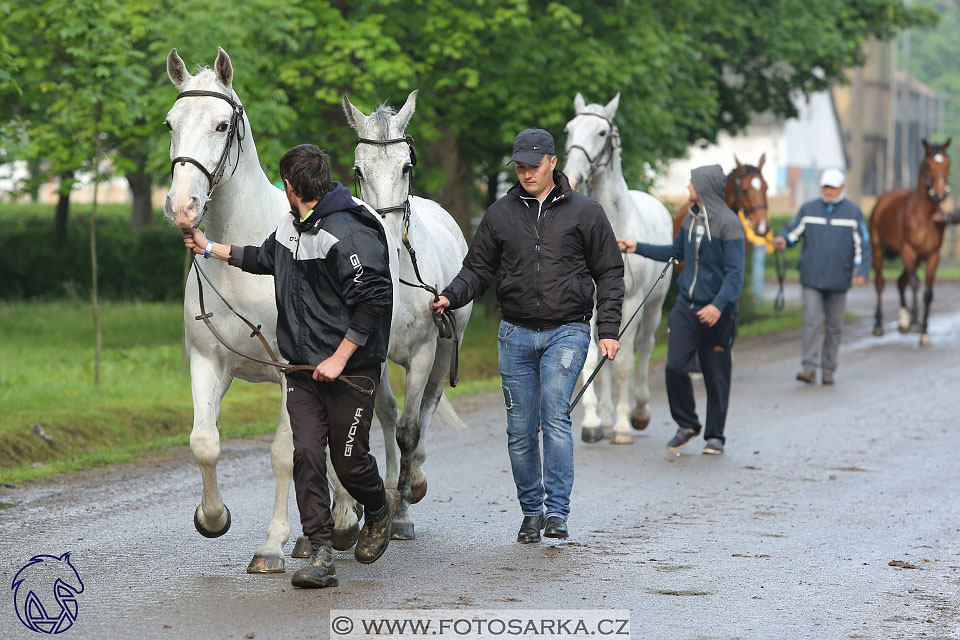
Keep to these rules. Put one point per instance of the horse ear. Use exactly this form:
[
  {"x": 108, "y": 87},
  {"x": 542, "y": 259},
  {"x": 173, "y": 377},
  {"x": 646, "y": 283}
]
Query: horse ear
[
  {"x": 224, "y": 68},
  {"x": 578, "y": 103},
  {"x": 354, "y": 116},
  {"x": 946, "y": 144},
  {"x": 611, "y": 108},
  {"x": 763, "y": 159},
  {"x": 406, "y": 111},
  {"x": 926, "y": 146},
  {"x": 739, "y": 164},
  {"x": 176, "y": 69}
]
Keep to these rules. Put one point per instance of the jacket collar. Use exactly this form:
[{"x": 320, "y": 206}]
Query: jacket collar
[
  {"x": 560, "y": 191},
  {"x": 337, "y": 199}
]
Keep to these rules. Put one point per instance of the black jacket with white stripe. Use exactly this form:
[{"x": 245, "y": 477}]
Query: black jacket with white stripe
[
  {"x": 835, "y": 243},
  {"x": 331, "y": 274}
]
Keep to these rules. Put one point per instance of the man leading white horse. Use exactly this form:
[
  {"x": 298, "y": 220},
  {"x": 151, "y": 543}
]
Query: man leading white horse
[
  {"x": 334, "y": 298},
  {"x": 552, "y": 245}
]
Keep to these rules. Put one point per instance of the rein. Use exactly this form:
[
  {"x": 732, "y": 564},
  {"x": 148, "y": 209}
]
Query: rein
[
  {"x": 612, "y": 142},
  {"x": 446, "y": 323}
]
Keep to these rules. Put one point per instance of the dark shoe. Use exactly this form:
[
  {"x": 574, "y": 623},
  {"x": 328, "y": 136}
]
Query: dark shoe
[
  {"x": 714, "y": 447},
  {"x": 810, "y": 377},
  {"x": 556, "y": 527},
  {"x": 826, "y": 378},
  {"x": 319, "y": 571},
  {"x": 530, "y": 529},
  {"x": 683, "y": 437},
  {"x": 375, "y": 535}
]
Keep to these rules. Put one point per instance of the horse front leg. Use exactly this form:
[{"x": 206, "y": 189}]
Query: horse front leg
[
  {"x": 931, "y": 273},
  {"x": 346, "y": 512},
  {"x": 878, "y": 282},
  {"x": 408, "y": 431},
  {"x": 591, "y": 429},
  {"x": 644, "y": 343},
  {"x": 386, "y": 409},
  {"x": 269, "y": 557},
  {"x": 208, "y": 383},
  {"x": 906, "y": 319},
  {"x": 623, "y": 370},
  {"x": 428, "y": 406}
]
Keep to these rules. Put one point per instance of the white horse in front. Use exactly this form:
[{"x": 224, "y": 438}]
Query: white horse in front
[
  {"x": 593, "y": 165},
  {"x": 384, "y": 162},
  {"x": 244, "y": 209}
]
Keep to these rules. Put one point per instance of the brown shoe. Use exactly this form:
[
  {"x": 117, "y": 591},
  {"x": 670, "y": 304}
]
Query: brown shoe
[
  {"x": 375, "y": 535},
  {"x": 810, "y": 377}
]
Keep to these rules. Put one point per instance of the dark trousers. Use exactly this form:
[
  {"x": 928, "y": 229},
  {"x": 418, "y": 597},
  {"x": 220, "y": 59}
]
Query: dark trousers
[
  {"x": 690, "y": 338},
  {"x": 334, "y": 414}
]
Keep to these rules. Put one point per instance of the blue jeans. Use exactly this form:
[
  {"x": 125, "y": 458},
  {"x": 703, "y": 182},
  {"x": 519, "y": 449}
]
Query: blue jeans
[{"x": 539, "y": 371}]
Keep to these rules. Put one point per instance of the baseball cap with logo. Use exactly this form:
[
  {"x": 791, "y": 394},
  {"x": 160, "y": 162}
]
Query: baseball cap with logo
[
  {"x": 832, "y": 178},
  {"x": 532, "y": 144}
]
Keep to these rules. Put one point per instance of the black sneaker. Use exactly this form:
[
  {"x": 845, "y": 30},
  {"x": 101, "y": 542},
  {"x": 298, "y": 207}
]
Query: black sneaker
[
  {"x": 319, "y": 571},
  {"x": 375, "y": 535},
  {"x": 682, "y": 437},
  {"x": 714, "y": 447},
  {"x": 810, "y": 377}
]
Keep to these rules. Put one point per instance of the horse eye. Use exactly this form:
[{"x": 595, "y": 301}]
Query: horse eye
[
  {"x": 405, "y": 170},
  {"x": 357, "y": 172},
  {"x": 603, "y": 133},
  {"x": 222, "y": 127},
  {"x": 168, "y": 125}
]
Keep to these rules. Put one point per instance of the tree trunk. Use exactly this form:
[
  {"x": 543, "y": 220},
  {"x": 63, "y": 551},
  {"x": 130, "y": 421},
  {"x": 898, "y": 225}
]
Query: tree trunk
[
  {"x": 94, "y": 280},
  {"x": 141, "y": 187},
  {"x": 457, "y": 195},
  {"x": 63, "y": 212}
]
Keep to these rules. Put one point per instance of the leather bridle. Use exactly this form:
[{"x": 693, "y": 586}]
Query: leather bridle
[
  {"x": 738, "y": 192},
  {"x": 236, "y": 129},
  {"x": 609, "y": 145},
  {"x": 405, "y": 207},
  {"x": 928, "y": 181}
]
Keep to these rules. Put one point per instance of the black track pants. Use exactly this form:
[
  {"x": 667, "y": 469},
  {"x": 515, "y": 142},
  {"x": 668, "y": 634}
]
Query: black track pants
[{"x": 331, "y": 414}]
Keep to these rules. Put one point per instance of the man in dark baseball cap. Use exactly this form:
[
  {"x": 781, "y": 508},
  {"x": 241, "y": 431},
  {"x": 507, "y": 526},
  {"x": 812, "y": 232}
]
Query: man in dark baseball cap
[{"x": 531, "y": 145}]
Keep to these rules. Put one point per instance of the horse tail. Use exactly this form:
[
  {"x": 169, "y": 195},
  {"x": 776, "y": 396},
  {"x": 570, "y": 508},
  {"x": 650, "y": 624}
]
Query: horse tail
[{"x": 448, "y": 415}]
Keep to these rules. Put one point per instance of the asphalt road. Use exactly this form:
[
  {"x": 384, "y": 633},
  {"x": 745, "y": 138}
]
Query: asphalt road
[{"x": 790, "y": 534}]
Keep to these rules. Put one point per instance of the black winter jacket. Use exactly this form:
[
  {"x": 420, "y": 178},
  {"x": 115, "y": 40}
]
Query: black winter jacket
[
  {"x": 549, "y": 262},
  {"x": 331, "y": 273}
]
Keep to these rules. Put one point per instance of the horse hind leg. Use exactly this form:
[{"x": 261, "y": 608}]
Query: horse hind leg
[
  {"x": 878, "y": 284},
  {"x": 269, "y": 557},
  {"x": 930, "y": 276},
  {"x": 644, "y": 343},
  {"x": 903, "y": 317}
]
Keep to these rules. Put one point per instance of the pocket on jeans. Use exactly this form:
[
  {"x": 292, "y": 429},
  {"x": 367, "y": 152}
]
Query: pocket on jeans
[{"x": 507, "y": 329}]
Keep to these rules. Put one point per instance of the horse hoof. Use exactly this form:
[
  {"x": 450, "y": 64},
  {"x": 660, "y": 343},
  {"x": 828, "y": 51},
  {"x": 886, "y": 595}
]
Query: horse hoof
[
  {"x": 903, "y": 328},
  {"x": 302, "y": 549},
  {"x": 403, "y": 531},
  {"x": 878, "y": 331},
  {"x": 925, "y": 340},
  {"x": 417, "y": 491},
  {"x": 607, "y": 431},
  {"x": 622, "y": 437},
  {"x": 266, "y": 564},
  {"x": 638, "y": 422},
  {"x": 591, "y": 434},
  {"x": 208, "y": 533},
  {"x": 343, "y": 539}
]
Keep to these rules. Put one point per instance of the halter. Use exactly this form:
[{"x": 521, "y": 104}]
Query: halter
[
  {"x": 750, "y": 171},
  {"x": 446, "y": 323},
  {"x": 235, "y": 129},
  {"x": 612, "y": 141},
  {"x": 928, "y": 181}
]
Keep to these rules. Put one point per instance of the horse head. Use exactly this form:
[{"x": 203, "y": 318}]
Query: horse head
[
  {"x": 935, "y": 170},
  {"x": 594, "y": 137},
  {"x": 746, "y": 191},
  {"x": 204, "y": 122},
  {"x": 384, "y": 157},
  {"x": 44, "y": 574}
]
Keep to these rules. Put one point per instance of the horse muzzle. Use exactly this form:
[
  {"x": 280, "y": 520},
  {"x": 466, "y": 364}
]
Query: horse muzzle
[{"x": 186, "y": 212}]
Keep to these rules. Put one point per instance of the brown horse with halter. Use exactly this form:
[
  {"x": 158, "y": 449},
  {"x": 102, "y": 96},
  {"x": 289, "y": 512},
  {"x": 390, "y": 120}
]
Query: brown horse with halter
[
  {"x": 746, "y": 194},
  {"x": 909, "y": 223}
]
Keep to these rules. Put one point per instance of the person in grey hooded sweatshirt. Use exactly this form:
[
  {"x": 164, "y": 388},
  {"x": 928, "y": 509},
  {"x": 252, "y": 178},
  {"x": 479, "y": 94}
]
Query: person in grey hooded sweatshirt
[{"x": 703, "y": 322}]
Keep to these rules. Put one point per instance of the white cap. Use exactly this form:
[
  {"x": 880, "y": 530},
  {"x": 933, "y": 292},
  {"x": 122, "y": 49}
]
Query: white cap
[{"x": 832, "y": 178}]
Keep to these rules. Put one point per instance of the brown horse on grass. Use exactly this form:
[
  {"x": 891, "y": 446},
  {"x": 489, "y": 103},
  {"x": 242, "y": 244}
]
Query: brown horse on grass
[
  {"x": 908, "y": 223},
  {"x": 746, "y": 191}
]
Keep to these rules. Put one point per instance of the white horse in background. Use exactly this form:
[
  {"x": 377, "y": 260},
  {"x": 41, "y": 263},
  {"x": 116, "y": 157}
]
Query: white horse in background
[
  {"x": 384, "y": 162},
  {"x": 243, "y": 208},
  {"x": 593, "y": 164}
]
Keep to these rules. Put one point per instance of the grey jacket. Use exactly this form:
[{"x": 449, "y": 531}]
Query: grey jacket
[{"x": 835, "y": 243}]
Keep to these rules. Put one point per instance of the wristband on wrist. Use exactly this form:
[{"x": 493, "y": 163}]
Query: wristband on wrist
[{"x": 206, "y": 252}]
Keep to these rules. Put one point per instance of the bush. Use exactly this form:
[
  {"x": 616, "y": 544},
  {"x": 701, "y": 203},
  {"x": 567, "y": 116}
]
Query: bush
[{"x": 146, "y": 265}]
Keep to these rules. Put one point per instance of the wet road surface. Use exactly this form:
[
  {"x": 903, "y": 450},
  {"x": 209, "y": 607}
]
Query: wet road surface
[{"x": 788, "y": 535}]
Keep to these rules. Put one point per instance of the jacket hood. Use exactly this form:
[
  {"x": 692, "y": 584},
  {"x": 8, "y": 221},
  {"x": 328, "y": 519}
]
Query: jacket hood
[
  {"x": 339, "y": 199},
  {"x": 709, "y": 182}
]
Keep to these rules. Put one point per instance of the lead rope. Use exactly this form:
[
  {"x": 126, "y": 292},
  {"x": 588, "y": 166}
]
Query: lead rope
[{"x": 284, "y": 367}]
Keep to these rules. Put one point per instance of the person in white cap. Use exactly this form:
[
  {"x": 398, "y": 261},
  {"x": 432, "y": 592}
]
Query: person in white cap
[{"x": 836, "y": 253}]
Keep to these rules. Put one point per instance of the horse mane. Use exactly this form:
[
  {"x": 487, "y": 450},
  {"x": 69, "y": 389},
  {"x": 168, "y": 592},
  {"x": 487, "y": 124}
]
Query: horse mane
[{"x": 381, "y": 117}]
